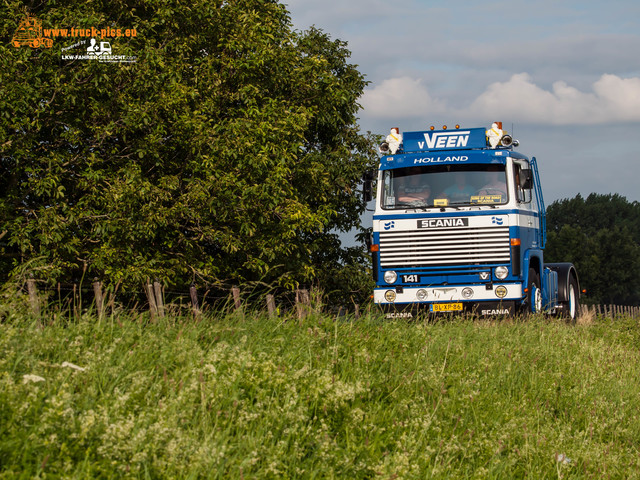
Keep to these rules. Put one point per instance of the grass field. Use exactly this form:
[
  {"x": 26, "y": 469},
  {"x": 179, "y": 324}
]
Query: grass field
[{"x": 245, "y": 396}]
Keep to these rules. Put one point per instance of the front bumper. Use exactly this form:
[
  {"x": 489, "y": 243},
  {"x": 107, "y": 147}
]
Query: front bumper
[
  {"x": 481, "y": 293},
  {"x": 485, "y": 300}
]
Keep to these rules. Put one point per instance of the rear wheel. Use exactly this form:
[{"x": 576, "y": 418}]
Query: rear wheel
[{"x": 572, "y": 304}]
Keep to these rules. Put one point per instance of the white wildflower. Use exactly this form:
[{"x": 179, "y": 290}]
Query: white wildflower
[
  {"x": 562, "y": 458},
  {"x": 71, "y": 365},
  {"x": 32, "y": 378},
  {"x": 210, "y": 368}
]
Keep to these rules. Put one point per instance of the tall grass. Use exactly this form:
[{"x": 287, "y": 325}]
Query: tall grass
[{"x": 246, "y": 396}]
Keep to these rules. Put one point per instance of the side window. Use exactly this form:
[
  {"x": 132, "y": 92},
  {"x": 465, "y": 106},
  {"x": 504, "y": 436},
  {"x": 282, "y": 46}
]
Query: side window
[
  {"x": 388, "y": 194},
  {"x": 523, "y": 184}
]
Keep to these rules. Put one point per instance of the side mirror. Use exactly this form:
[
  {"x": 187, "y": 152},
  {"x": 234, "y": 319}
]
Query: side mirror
[
  {"x": 367, "y": 185},
  {"x": 526, "y": 179}
]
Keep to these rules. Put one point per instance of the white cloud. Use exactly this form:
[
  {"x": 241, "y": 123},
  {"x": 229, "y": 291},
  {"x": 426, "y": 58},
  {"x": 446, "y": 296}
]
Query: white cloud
[
  {"x": 612, "y": 99},
  {"x": 620, "y": 95},
  {"x": 398, "y": 98}
]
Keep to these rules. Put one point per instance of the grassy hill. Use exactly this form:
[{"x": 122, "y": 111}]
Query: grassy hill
[{"x": 245, "y": 396}]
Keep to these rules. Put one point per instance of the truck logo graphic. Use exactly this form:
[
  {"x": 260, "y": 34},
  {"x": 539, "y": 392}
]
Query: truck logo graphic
[
  {"x": 496, "y": 311},
  {"x": 389, "y": 225},
  {"x": 457, "y": 139},
  {"x": 496, "y": 220},
  {"x": 29, "y": 33},
  {"x": 443, "y": 222}
]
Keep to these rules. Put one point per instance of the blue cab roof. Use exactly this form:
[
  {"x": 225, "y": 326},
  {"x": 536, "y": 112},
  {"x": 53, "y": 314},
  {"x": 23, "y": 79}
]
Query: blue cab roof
[{"x": 460, "y": 146}]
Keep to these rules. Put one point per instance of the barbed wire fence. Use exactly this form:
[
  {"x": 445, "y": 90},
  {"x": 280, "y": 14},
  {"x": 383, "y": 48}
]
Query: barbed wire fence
[{"x": 160, "y": 301}]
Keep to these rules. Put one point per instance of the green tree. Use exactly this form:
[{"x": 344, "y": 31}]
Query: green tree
[
  {"x": 601, "y": 236},
  {"x": 229, "y": 151}
]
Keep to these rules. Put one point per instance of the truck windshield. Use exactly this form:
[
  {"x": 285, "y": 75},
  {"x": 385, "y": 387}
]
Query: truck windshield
[{"x": 444, "y": 185}]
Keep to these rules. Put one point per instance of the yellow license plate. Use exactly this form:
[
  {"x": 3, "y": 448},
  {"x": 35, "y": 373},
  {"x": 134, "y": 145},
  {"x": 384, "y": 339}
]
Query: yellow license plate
[{"x": 446, "y": 307}]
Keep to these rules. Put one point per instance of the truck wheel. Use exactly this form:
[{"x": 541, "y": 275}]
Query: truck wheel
[
  {"x": 534, "y": 294},
  {"x": 571, "y": 306}
]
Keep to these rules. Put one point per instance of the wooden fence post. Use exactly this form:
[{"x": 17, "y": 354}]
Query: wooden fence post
[
  {"x": 194, "y": 301},
  {"x": 271, "y": 305},
  {"x": 33, "y": 297},
  {"x": 237, "y": 302},
  {"x": 77, "y": 308},
  {"x": 157, "y": 289},
  {"x": 303, "y": 303},
  {"x": 153, "y": 308},
  {"x": 97, "y": 291}
]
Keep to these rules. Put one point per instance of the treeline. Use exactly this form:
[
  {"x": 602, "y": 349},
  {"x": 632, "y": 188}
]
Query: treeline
[
  {"x": 600, "y": 234},
  {"x": 228, "y": 153}
]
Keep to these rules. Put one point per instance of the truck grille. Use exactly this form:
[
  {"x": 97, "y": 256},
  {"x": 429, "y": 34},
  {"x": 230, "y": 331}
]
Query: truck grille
[{"x": 455, "y": 246}]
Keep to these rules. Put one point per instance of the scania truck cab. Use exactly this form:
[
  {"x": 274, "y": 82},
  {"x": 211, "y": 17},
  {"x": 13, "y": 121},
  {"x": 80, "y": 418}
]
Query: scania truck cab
[{"x": 459, "y": 225}]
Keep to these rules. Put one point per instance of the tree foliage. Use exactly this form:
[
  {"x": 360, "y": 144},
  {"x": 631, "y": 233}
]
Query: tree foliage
[
  {"x": 229, "y": 151},
  {"x": 601, "y": 236}
]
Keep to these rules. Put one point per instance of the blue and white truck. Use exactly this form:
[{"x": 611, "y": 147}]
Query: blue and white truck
[{"x": 459, "y": 225}]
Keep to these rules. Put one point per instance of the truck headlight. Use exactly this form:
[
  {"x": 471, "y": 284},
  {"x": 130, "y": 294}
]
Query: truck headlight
[
  {"x": 390, "y": 276},
  {"x": 501, "y": 272},
  {"x": 422, "y": 294},
  {"x": 390, "y": 296}
]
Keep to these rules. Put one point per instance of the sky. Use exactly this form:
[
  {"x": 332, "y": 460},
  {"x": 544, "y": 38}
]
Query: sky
[{"x": 562, "y": 76}]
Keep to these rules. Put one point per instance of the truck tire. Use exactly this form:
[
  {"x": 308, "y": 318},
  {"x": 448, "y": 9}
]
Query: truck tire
[
  {"x": 572, "y": 306},
  {"x": 534, "y": 294}
]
